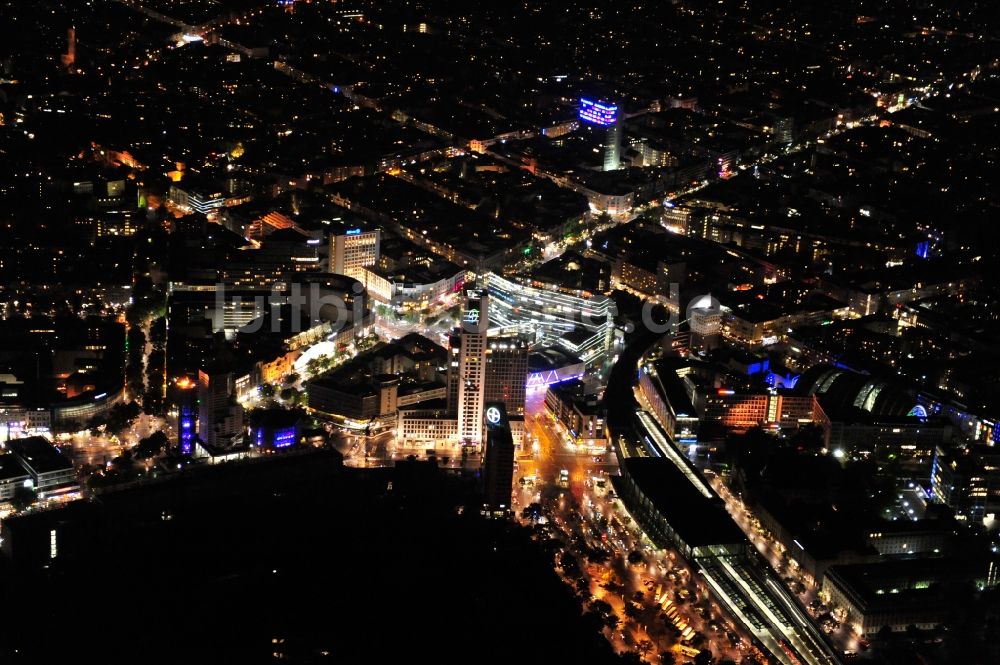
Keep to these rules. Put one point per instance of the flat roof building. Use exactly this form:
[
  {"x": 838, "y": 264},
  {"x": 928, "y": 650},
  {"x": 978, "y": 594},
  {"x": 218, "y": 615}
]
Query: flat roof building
[
  {"x": 672, "y": 511},
  {"x": 896, "y": 594},
  {"x": 51, "y": 472},
  {"x": 12, "y": 476}
]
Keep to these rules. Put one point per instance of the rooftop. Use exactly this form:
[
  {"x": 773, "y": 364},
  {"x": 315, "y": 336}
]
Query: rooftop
[
  {"x": 698, "y": 521},
  {"x": 10, "y": 469},
  {"x": 40, "y": 455}
]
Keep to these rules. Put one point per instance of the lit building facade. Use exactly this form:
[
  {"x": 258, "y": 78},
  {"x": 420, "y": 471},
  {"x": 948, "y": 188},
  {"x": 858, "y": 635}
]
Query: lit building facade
[
  {"x": 967, "y": 481},
  {"x": 663, "y": 394},
  {"x": 220, "y": 418},
  {"x": 471, "y": 376},
  {"x": 507, "y": 372},
  {"x": 196, "y": 201},
  {"x": 274, "y": 429},
  {"x": 427, "y": 428},
  {"x": 51, "y": 472},
  {"x": 746, "y": 410},
  {"x": 353, "y": 250},
  {"x": 706, "y": 327},
  {"x": 187, "y": 414},
  {"x": 583, "y": 326},
  {"x": 607, "y": 116},
  {"x": 80, "y": 410},
  {"x": 580, "y": 414}
]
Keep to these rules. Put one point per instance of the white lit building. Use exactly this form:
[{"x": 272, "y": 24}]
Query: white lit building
[
  {"x": 582, "y": 326},
  {"x": 471, "y": 375},
  {"x": 353, "y": 250}
]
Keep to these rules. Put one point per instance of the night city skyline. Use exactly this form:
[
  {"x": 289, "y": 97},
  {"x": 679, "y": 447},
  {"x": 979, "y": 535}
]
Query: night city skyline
[{"x": 628, "y": 332}]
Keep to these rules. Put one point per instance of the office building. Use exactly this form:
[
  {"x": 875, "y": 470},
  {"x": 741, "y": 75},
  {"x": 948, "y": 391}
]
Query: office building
[
  {"x": 354, "y": 399},
  {"x": 967, "y": 481},
  {"x": 51, "y": 472},
  {"x": 741, "y": 411},
  {"x": 581, "y": 414},
  {"x": 467, "y": 368},
  {"x": 353, "y": 250},
  {"x": 507, "y": 372},
  {"x": 899, "y": 593},
  {"x": 911, "y": 537},
  {"x": 666, "y": 397},
  {"x": 426, "y": 427},
  {"x": 193, "y": 200},
  {"x": 498, "y": 461},
  {"x": 580, "y": 326},
  {"x": 220, "y": 417},
  {"x": 275, "y": 429},
  {"x": 607, "y": 117},
  {"x": 705, "y": 321}
]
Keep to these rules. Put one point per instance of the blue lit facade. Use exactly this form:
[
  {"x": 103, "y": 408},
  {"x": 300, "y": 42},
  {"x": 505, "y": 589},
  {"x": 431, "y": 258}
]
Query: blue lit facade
[
  {"x": 187, "y": 414},
  {"x": 606, "y": 115},
  {"x": 275, "y": 429},
  {"x": 186, "y": 427},
  {"x": 275, "y": 438},
  {"x": 598, "y": 113},
  {"x": 776, "y": 380},
  {"x": 284, "y": 438}
]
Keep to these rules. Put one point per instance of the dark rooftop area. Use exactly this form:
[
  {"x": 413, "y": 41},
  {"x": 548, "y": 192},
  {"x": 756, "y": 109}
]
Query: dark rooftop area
[{"x": 699, "y": 521}]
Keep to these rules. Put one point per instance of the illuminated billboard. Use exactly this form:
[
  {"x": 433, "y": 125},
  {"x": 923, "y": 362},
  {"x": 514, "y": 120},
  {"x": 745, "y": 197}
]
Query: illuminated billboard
[{"x": 598, "y": 113}]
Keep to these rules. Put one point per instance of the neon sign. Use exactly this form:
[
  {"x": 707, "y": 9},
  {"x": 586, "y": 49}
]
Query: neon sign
[
  {"x": 597, "y": 113},
  {"x": 547, "y": 378},
  {"x": 353, "y": 232}
]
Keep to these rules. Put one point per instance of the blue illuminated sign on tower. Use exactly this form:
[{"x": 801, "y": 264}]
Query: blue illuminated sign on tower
[
  {"x": 187, "y": 429},
  {"x": 598, "y": 113}
]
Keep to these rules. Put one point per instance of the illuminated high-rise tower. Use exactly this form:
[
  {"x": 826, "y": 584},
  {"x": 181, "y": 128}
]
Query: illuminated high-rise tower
[
  {"x": 467, "y": 368},
  {"x": 186, "y": 398},
  {"x": 607, "y": 116},
  {"x": 69, "y": 57}
]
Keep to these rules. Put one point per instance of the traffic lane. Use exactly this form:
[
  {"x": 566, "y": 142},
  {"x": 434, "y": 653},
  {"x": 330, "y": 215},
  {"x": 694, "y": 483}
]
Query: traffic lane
[{"x": 635, "y": 579}]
